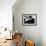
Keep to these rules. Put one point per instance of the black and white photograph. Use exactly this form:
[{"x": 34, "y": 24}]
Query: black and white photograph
[{"x": 29, "y": 19}]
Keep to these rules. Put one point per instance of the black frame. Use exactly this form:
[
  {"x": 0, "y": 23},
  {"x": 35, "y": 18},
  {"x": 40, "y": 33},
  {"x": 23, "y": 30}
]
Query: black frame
[{"x": 29, "y": 15}]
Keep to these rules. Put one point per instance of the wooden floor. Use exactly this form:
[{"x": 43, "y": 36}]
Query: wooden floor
[{"x": 9, "y": 43}]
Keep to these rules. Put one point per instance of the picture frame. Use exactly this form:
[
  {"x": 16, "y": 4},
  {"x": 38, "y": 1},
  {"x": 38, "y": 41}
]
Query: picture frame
[{"x": 29, "y": 19}]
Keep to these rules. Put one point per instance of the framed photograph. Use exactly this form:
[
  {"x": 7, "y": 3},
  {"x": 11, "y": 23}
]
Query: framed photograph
[{"x": 29, "y": 19}]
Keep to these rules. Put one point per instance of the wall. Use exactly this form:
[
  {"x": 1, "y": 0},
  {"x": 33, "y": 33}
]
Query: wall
[
  {"x": 6, "y": 13},
  {"x": 43, "y": 22},
  {"x": 28, "y": 7}
]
